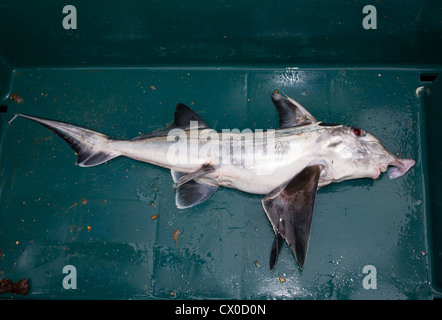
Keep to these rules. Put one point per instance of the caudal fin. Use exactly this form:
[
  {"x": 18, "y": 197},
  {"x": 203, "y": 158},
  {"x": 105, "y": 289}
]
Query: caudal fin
[{"x": 92, "y": 148}]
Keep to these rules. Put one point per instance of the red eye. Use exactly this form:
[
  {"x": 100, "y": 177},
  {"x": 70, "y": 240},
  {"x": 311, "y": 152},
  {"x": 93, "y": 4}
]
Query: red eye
[{"x": 357, "y": 132}]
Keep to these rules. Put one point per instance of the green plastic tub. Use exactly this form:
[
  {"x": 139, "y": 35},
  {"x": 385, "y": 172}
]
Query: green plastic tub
[{"x": 114, "y": 232}]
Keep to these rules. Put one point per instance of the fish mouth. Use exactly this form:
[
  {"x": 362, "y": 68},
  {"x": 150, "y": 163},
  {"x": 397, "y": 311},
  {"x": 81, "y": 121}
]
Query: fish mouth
[
  {"x": 399, "y": 167},
  {"x": 377, "y": 170}
]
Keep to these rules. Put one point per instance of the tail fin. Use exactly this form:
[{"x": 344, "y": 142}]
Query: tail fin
[{"x": 92, "y": 148}]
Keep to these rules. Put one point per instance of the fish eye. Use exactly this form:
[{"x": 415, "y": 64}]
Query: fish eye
[{"x": 357, "y": 132}]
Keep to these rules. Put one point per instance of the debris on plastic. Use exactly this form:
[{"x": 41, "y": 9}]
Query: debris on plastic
[
  {"x": 16, "y": 98},
  {"x": 175, "y": 235},
  {"x": 19, "y": 287}
]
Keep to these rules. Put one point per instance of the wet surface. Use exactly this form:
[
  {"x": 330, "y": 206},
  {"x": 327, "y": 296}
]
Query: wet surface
[{"x": 118, "y": 225}]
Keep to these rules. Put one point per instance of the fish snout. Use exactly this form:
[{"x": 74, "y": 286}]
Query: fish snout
[{"x": 399, "y": 167}]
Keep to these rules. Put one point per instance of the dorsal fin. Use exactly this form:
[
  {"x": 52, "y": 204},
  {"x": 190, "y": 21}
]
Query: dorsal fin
[
  {"x": 183, "y": 115},
  {"x": 181, "y": 119},
  {"x": 291, "y": 112}
]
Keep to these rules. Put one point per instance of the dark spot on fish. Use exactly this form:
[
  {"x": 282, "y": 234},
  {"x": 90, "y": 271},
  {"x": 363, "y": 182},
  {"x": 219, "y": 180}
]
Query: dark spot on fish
[
  {"x": 325, "y": 124},
  {"x": 334, "y": 144}
]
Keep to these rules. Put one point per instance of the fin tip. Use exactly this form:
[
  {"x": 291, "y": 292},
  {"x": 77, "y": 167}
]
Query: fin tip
[{"x": 14, "y": 117}]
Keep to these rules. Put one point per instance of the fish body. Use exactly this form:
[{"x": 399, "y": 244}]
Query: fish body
[
  {"x": 288, "y": 164},
  {"x": 343, "y": 155},
  {"x": 242, "y": 160}
]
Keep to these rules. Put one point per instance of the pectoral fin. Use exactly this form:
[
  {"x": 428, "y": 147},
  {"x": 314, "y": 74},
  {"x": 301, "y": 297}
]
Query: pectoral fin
[
  {"x": 277, "y": 243},
  {"x": 289, "y": 208}
]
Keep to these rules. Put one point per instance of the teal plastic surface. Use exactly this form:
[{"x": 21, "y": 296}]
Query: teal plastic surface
[
  {"x": 5, "y": 74},
  {"x": 123, "y": 71},
  {"x": 217, "y": 32},
  {"x": 433, "y": 110}
]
